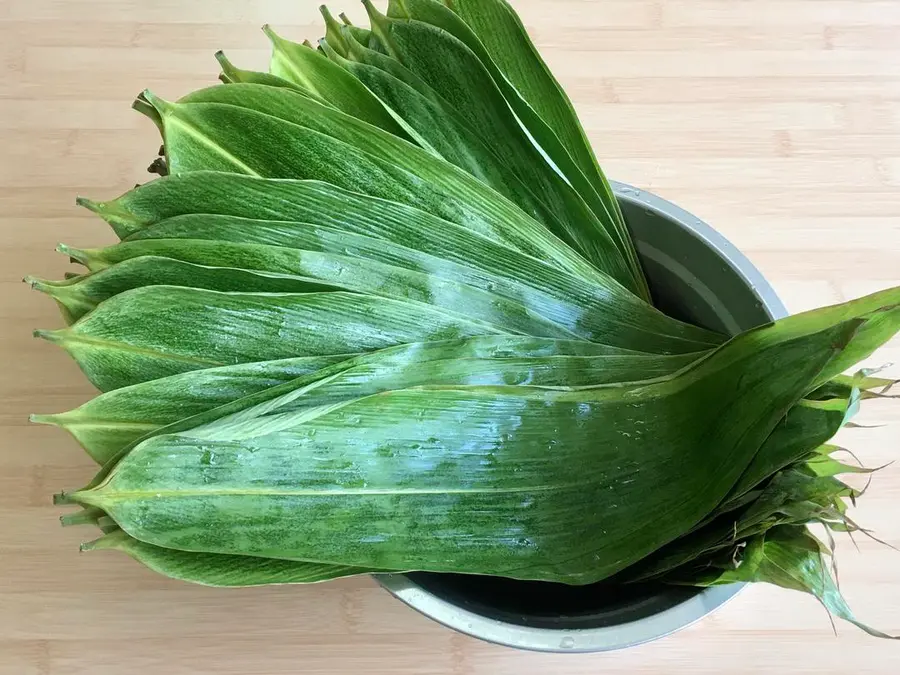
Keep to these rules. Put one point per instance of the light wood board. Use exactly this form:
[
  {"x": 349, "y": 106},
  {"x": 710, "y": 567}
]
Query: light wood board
[{"x": 777, "y": 121}]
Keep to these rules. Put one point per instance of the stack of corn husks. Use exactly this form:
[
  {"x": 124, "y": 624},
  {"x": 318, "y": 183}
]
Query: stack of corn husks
[{"x": 382, "y": 312}]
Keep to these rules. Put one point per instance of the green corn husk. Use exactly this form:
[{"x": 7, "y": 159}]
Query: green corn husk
[
  {"x": 177, "y": 206},
  {"x": 321, "y": 80},
  {"x": 439, "y": 127},
  {"x": 275, "y": 133},
  {"x": 307, "y": 213},
  {"x": 116, "y": 346},
  {"x": 602, "y": 308},
  {"x": 461, "y": 83},
  {"x": 123, "y": 416},
  {"x": 233, "y": 75},
  {"x": 386, "y": 316},
  {"x": 111, "y": 421},
  {"x": 228, "y": 570},
  {"x": 497, "y": 37},
  {"x": 207, "y": 568},
  {"x": 76, "y": 297},
  {"x": 391, "y": 482},
  {"x": 805, "y": 428},
  {"x": 361, "y": 265},
  {"x": 313, "y": 271}
]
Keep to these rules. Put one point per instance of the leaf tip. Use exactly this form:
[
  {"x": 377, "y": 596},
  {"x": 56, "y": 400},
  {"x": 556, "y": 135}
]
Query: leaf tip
[
  {"x": 76, "y": 255},
  {"x": 161, "y": 105},
  {"x": 89, "y": 204},
  {"x": 54, "y": 289},
  {"x": 54, "y": 336},
  {"x": 380, "y": 25},
  {"x": 270, "y": 33},
  {"x": 62, "y": 498},
  {"x": 333, "y": 30},
  {"x": 42, "y": 419}
]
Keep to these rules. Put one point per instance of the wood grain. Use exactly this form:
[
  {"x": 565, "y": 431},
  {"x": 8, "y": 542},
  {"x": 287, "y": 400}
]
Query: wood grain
[{"x": 777, "y": 121}]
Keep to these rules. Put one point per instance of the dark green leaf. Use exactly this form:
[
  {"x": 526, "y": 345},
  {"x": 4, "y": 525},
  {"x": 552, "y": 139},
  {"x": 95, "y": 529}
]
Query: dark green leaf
[
  {"x": 360, "y": 264},
  {"x": 115, "y": 345},
  {"x": 463, "y": 86},
  {"x": 272, "y": 132},
  {"x": 321, "y": 79},
  {"x": 532, "y": 92},
  {"x": 109, "y": 422},
  {"x": 402, "y": 478},
  {"x": 309, "y": 269}
]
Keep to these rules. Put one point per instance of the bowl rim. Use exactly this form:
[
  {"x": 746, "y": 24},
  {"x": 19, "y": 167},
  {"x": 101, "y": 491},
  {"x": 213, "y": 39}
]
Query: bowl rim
[{"x": 646, "y": 629}]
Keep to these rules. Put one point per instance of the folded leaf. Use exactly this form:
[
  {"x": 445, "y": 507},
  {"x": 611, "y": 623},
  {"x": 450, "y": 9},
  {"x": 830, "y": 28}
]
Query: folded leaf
[
  {"x": 806, "y": 427},
  {"x": 792, "y": 496},
  {"x": 438, "y": 127},
  {"x": 437, "y": 365},
  {"x": 260, "y": 402},
  {"x": 309, "y": 269},
  {"x": 233, "y": 75},
  {"x": 307, "y": 204},
  {"x": 118, "y": 418},
  {"x": 76, "y": 297},
  {"x": 604, "y": 309}
]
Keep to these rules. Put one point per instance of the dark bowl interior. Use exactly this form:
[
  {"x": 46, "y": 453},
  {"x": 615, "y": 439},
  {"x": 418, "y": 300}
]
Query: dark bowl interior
[{"x": 692, "y": 281}]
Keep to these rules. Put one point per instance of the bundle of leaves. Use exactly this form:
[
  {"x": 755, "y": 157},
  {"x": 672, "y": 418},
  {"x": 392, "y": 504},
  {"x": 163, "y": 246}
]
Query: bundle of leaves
[{"x": 382, "y": 313}]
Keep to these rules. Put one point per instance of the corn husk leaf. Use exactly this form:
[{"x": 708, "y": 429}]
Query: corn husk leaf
[
  {"x": 439, "y": 128},
  {"x": 275, "y": 133},
  {"x": 322, "y": 80},
  {"x": 808, "y": 426},
  {"x": 367, "y": 266},
  {"x": 195, "y": 329},
  {"x": 76, "y": 297},
  {"x": 495, "y": 34},
  {"x": 312, "y": 271},
  {"x": 603, "y": 310},
  {"x": 484, "y": 347},
  {"x": 109, "y": 422},
  {"x": 283, "y": 406},
  {"x": 460, "y": 83},
  {"x": 793, "y": 496},
  {"x": 231, "y": 74},
  {"x": 490, "y": 480},
  {"x": 318, "y": 216}
]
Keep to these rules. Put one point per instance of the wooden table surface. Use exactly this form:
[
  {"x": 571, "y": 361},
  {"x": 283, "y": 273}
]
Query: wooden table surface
[{"x": 777, "y": 121}]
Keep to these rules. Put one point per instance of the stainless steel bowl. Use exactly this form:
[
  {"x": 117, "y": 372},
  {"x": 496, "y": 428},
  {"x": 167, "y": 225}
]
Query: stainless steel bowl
[{"x": 695, "y": 275}]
